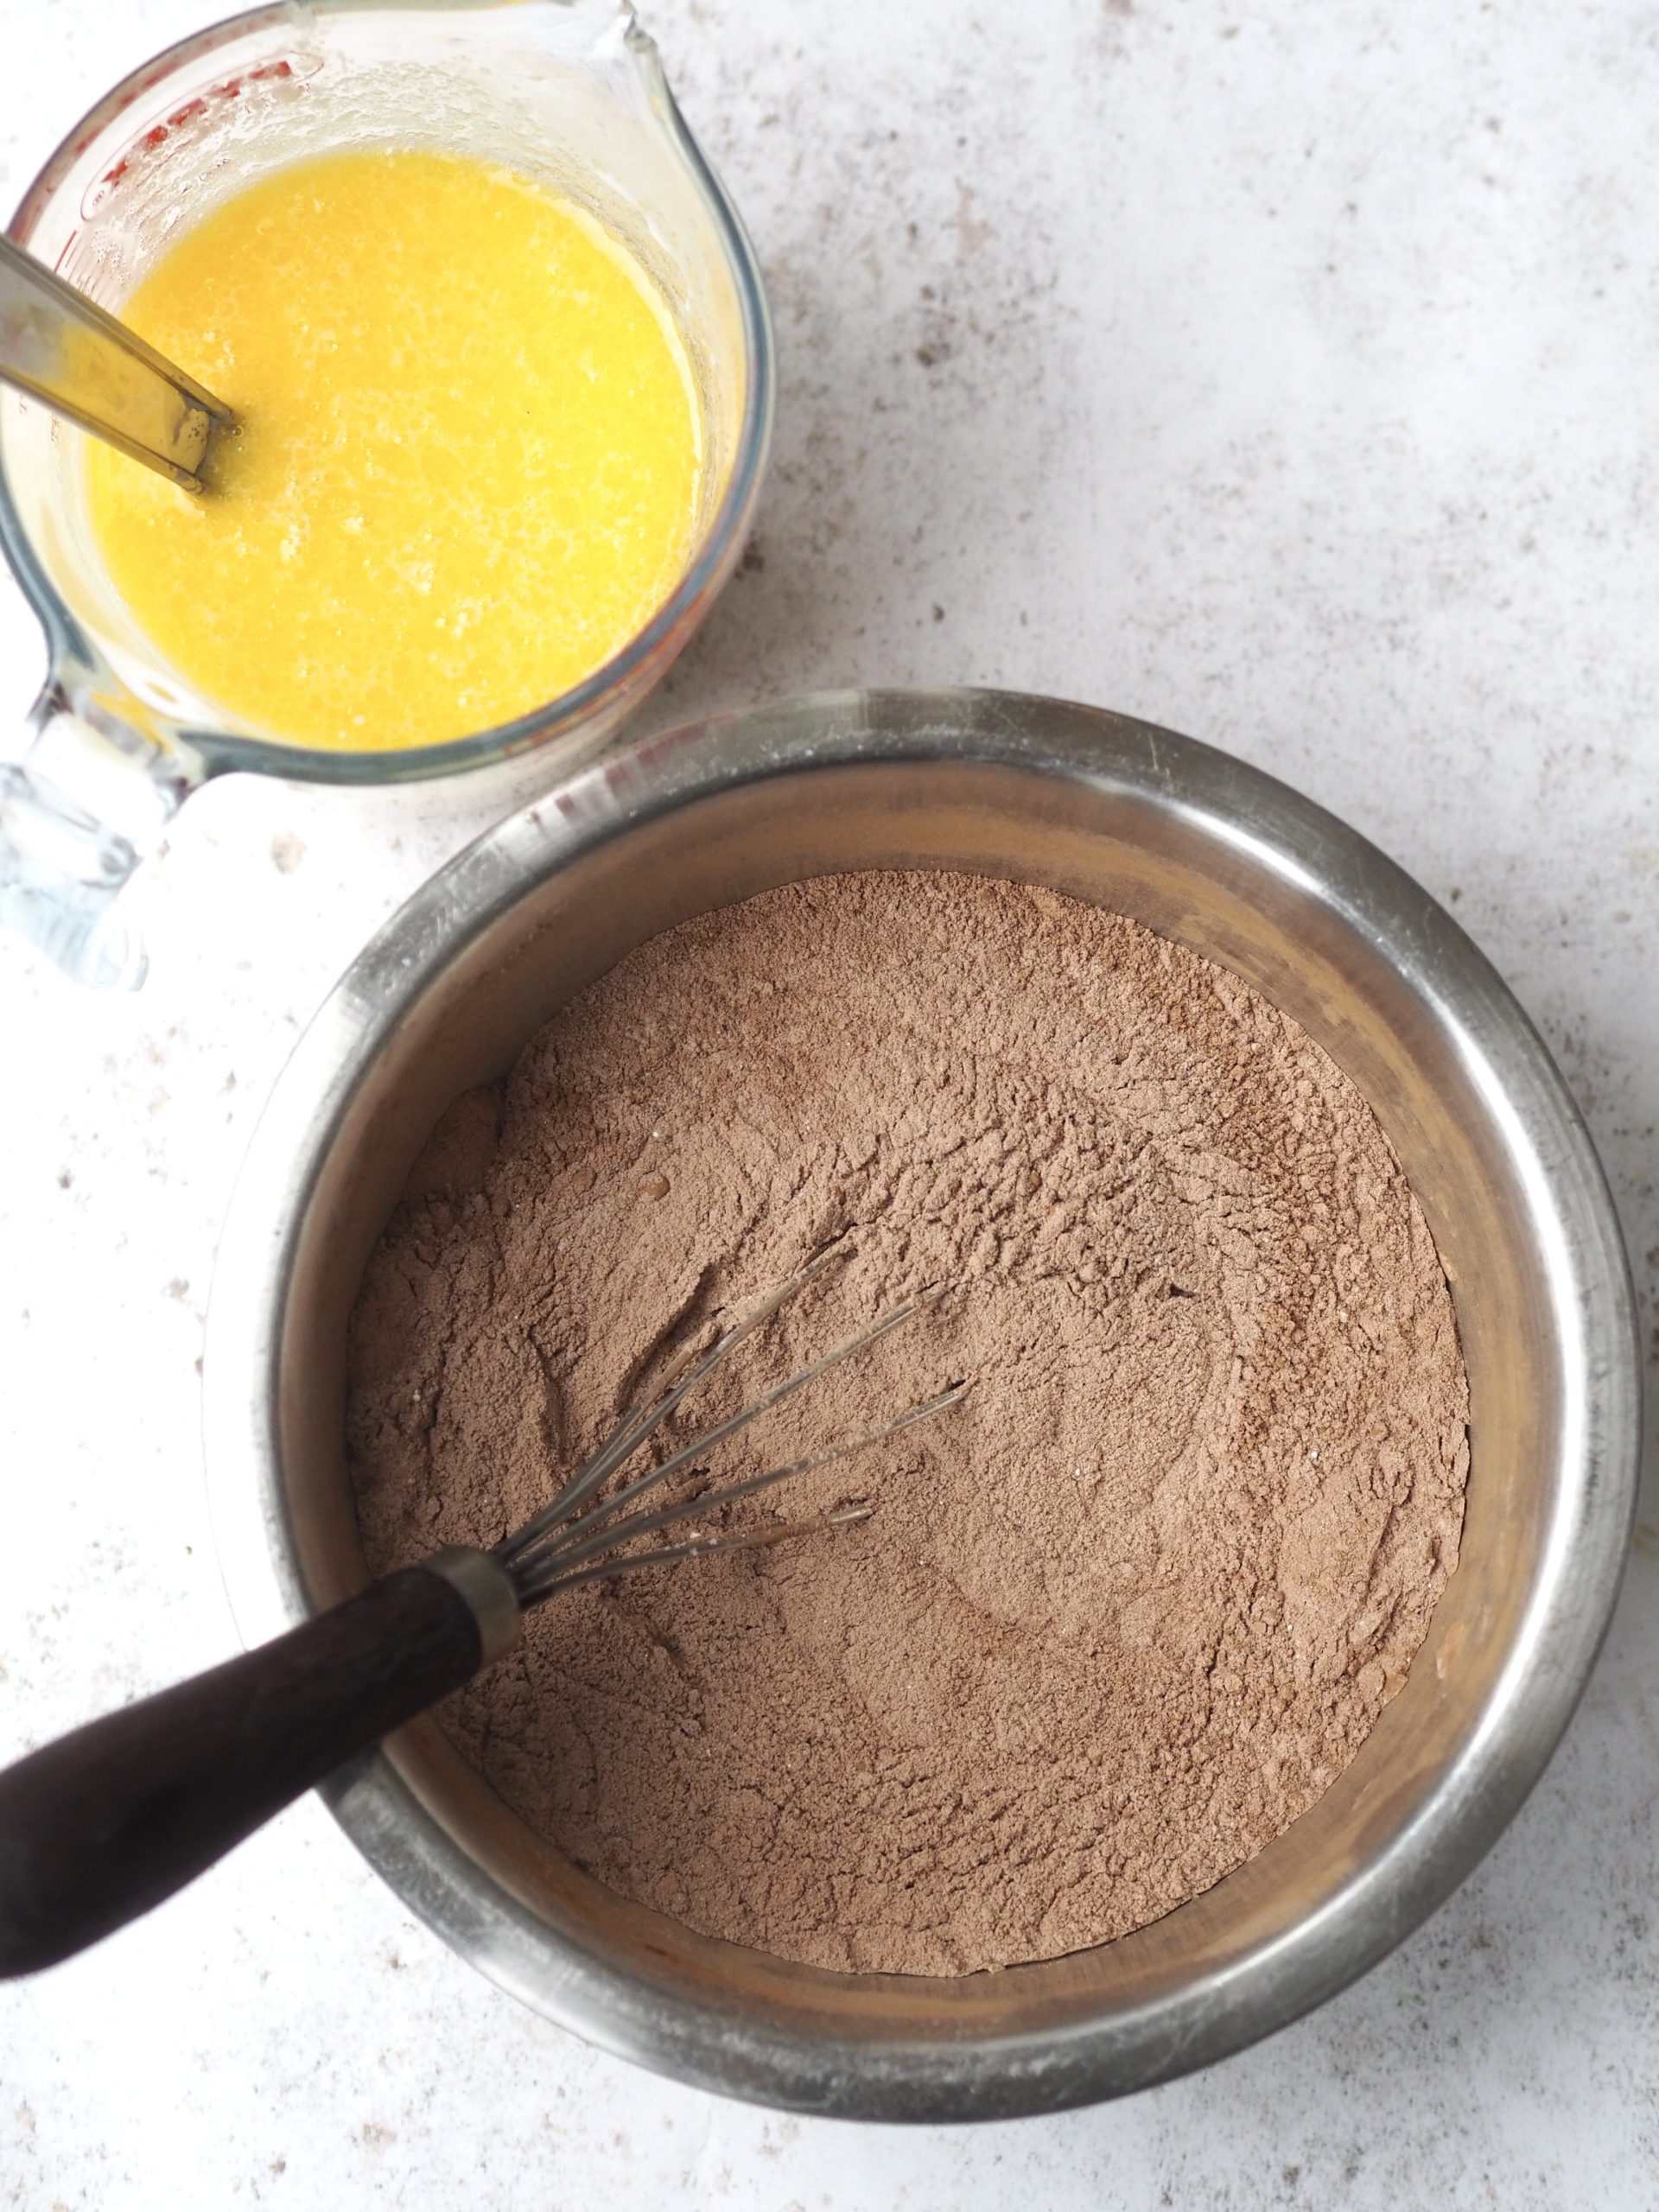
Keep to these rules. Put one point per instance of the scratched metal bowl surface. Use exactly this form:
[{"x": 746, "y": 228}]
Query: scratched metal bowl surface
[{"x": 1215, "y": 854}]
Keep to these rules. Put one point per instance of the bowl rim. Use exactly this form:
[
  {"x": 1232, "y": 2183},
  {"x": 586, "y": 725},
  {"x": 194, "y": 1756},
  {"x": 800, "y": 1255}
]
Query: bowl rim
[{"x": 1566, "y": 1619}]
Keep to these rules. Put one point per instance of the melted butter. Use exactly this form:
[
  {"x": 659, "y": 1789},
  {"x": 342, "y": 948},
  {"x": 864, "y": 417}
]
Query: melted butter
[{"x": 469, "y": 462}]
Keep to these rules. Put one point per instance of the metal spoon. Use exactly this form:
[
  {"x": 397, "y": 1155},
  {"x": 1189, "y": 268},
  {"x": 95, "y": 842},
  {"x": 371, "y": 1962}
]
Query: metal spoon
[{"x": 61, "y": 348}]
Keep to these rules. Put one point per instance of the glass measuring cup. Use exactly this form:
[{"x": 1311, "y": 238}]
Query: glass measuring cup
[{"x": 569, "y": 92}]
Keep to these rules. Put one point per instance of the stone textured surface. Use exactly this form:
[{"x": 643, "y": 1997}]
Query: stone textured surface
[{"x": 1283, "y": 374}]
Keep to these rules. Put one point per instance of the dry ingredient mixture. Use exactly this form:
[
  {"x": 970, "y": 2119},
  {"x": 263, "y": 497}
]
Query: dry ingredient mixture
[{"x": 1117, "y": 1619}]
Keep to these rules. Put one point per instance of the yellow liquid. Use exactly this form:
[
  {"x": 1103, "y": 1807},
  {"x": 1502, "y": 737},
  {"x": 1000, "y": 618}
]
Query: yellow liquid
[{"x": 468, "y": 461}]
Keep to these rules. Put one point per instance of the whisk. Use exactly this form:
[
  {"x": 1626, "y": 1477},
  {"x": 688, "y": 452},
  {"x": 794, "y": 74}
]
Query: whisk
[{"x": 104, "y": 1824}]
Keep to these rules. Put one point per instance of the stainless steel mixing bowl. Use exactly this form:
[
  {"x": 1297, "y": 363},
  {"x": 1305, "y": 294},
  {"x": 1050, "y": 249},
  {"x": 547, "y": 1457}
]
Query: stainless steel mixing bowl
[{"x": 1212, "y": 854}]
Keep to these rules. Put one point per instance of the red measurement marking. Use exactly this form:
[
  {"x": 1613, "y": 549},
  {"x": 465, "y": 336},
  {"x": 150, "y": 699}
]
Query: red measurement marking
[{"x": 159, "y": 133}]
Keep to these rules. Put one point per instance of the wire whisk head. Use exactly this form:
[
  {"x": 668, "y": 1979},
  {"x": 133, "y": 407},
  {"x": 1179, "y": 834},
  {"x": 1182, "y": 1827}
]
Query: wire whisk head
[{"x": 571, "y": 1541}]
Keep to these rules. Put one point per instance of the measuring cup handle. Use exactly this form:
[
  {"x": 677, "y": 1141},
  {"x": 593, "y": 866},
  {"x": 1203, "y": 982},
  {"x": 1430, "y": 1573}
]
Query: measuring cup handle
[{"x": 79, "y": 806}]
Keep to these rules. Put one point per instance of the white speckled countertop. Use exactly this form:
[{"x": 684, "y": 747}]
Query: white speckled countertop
[{"x": 1286, "y": 374}]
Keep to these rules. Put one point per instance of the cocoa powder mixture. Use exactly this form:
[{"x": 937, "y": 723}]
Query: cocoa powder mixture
[{"x": 1119, "y": 1617}]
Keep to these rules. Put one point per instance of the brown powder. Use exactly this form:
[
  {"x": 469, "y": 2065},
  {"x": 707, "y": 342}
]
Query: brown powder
[{"x": 1117, "y": 1619}]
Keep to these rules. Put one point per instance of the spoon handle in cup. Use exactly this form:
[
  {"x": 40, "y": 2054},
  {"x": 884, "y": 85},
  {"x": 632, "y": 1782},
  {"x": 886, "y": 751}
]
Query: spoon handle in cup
[{"x": 61, "y": 348}]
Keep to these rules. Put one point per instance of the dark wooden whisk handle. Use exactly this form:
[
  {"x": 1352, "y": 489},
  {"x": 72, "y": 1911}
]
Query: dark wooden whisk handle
[{"x": 103, "y": 1824}]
